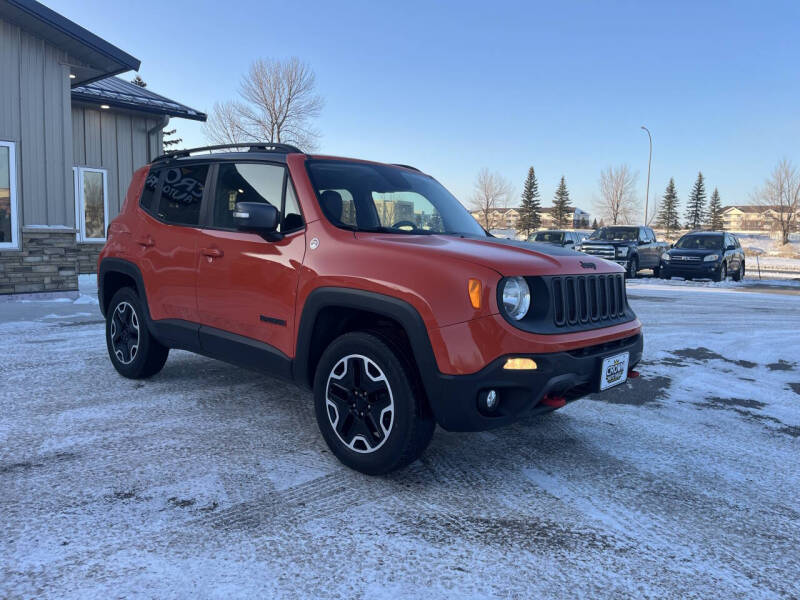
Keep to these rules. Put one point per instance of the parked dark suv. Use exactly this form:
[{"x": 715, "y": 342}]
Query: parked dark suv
[
  {"x": 704, "y": 254},
  {"x": 557, "y": 237}
]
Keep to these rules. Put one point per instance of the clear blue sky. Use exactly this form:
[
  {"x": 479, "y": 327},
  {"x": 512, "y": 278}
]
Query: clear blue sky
[{"x": 453, "y": 87}]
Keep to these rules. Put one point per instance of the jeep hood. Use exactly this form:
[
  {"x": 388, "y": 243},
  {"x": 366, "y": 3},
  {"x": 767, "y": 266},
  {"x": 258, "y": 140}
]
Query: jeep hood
[{"x": 507, "y": 257}]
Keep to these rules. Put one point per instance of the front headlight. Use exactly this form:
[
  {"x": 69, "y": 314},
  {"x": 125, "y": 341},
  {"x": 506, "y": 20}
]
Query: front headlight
[
  {"x": 516, "y": 297},
  {"x": 665, "y": 257},
  {"x": 711, "y": 257},
  {"x": 622, "y": 251}
]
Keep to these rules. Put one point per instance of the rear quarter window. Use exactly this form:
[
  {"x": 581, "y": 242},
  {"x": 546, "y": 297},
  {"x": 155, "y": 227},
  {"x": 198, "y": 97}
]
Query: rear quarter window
[{"x": 149, "y": 189}]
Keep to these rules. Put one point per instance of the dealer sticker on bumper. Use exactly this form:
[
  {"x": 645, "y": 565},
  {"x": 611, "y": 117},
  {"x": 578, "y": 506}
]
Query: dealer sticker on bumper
[{"x": 615, "y": 370}]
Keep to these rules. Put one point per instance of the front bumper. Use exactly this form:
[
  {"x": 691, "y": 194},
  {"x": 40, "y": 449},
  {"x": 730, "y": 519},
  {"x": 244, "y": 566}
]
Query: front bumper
[
  {"x": 697, "y": 269},
  {"x": 571, "y": 374}
]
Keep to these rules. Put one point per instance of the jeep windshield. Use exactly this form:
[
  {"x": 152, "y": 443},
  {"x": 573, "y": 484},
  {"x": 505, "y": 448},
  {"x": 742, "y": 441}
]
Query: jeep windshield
[
  {"x": 616, "y": 234},
  {"x": 387, "y": 199}
]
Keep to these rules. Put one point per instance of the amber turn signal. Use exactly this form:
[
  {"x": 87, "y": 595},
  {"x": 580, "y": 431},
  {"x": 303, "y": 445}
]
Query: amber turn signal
[
  {"x": 520, "y": 364},
  {"x": 475, "y": 288}
]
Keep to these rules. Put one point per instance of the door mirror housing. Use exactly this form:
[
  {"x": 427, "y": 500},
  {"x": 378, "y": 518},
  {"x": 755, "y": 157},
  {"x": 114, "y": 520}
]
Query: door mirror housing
[
  {"x": 258, "y": 217},
  {"x": 730, "y": 247}
]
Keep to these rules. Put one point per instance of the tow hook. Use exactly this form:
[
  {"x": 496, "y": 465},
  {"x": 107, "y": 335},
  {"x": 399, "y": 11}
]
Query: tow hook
[
  {"x": 633, "y": 374},
  {"x": 554, "y": 401}
]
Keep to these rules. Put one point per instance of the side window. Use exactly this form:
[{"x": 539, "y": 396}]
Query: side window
[
  {"x": 181, "y": 194},
  {"x": 338, "y": 205},
  {"x": 642, "y": 234},
  {"x": 254, "y": 182},
  {"x": 149, "y": 189},
  {"x": 292, "y": 217},
  {"x": 651, "y": 235}
]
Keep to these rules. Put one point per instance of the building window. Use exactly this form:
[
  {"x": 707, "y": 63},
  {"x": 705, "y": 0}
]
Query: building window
[
  {"x": 8, "y": 196},
  {"x": 91, "y": 204}
]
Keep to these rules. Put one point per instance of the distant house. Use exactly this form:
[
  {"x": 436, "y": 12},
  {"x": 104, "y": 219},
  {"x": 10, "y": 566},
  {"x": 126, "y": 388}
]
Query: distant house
[
  {"x": 71, "y": 135},
  {"x": 751, "y": 217},
  {"x": 578, "y": 219},
  {"x": 507, "y": 218}
]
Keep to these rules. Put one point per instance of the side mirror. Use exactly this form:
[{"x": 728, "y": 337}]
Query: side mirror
[
  {"x": 730, "y": 247},
  {"x": 568, "y": 242},
  {"x": 257, "y": 217}
]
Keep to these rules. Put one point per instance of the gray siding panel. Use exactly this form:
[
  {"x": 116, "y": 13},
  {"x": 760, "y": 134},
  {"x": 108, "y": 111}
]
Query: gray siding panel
[
  {"x": 140, "y": 142},
  {"x": 31, "y": 147},
  {"x": 9, "y": 90},
  {"x": 91, "y": 131},
  {"x": 124, "y": 154},
  {"x": 78, "y": 147},
  {"x": 108, "y": 159},
  {"x": 56, "y": 203}
]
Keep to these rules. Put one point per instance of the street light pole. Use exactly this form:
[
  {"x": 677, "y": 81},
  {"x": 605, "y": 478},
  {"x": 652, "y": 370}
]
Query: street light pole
[{"x": 649, "y": 160}]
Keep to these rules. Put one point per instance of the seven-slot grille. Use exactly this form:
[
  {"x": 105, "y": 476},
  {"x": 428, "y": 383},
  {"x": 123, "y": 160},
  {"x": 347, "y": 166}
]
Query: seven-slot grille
[
  {"x": 587, "y": 298},
  {"x": 686, "y": 258},
  {"x": 606, "y": 252}
]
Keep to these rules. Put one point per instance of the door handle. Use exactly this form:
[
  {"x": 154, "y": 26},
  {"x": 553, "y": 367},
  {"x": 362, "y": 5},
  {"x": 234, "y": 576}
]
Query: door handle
[
  {"x": 212, "y": 252},
  {"x": 146, "y": 241}
]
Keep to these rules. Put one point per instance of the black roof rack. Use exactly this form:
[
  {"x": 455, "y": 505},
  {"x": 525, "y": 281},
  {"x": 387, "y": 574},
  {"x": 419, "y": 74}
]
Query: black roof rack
[
  {"x": 406, "y": 167},
  {"x": 251, "y": 146}
]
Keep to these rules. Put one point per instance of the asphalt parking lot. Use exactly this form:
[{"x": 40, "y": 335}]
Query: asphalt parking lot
[{"x": 209, "y": 480}]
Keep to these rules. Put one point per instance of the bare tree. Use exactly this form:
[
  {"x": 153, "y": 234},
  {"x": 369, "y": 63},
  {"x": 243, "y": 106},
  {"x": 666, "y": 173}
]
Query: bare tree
[
  {"x": 492, "y": 191},
  {"x": 618, "y": 202},
  {"x": 277, "y": 104},
  {"x": 781, "y": 194},
  {"x": 224, "y": 126}
]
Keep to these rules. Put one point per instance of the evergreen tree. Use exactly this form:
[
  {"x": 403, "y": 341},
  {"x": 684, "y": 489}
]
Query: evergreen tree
[
  {"x": 715, "y": 212},
  {"x": 561, "y": 207},
  {"x": 696, "y": 208},
  {"x": 668, "y": 215},
  {"x": 594, "y": 223},
  {"x": 170, "y": 142},
  {"x": 529, "y": 218},
  {"x": 138, "y": 81}
]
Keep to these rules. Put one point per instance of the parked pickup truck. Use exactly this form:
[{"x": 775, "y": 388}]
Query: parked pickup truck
[{"x": 632, "y": 247}]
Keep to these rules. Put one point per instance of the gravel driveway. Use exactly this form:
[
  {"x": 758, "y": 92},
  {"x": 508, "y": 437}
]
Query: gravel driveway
[{"x": 212, "y": 481}]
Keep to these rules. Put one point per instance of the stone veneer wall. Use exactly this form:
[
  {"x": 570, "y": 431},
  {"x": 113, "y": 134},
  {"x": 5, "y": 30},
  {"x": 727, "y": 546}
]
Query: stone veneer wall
[
  {"x": 87, "y": 257},
  {"x": 48, "y": 262}
]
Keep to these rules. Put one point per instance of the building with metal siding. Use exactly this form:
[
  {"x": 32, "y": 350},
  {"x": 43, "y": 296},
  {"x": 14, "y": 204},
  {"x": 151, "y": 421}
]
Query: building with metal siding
[{"x": 71, "y": 135}]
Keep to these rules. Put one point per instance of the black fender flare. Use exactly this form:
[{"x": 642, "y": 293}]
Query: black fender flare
[
  {"x": 126, "y": 267},
  {"x": 388, "y": 306}
]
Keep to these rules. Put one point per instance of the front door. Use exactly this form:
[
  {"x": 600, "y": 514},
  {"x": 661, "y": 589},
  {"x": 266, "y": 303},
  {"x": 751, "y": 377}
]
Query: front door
[{"x": 246, "y": 284}]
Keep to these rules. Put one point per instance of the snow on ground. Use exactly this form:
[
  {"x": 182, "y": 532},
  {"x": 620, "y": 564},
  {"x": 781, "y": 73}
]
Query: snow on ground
[{"x": 212, "y": 481}]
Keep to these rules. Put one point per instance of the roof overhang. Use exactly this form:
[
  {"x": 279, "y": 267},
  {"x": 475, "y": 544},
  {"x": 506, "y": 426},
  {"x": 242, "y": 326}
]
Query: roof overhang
[{"x": 98, "y": 58}]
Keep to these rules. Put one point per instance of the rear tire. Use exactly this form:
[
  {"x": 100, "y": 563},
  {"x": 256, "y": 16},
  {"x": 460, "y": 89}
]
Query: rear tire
[
  {"x": 133, "y": 350},
  {"x": 739, "y": 275},
  {"x": 656, "y": 272},
  {"x": 369, "y": 404}
]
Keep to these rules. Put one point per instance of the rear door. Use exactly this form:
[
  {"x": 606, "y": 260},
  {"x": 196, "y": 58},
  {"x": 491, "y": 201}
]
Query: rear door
[
  {"x": 247, "y": 285},
  {"x": 166, "y": 243}
]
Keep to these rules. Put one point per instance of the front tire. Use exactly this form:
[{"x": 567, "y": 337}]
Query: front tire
[
  {"x": 722, "y": 274},
  {"x": 133, "y": 350},
  {"x": 633, "y": 268},
  {"x": 369, "y": 404}
]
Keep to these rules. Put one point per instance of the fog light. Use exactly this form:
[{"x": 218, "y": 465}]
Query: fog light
[
  {"x": 488, "y": 401},
  {"x": 520, "y": 364}
]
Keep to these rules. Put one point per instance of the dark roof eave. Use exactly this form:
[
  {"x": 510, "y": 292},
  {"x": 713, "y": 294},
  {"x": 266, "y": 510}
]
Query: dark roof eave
[
  {"x": 117, "y": 60},
  {"x": 87, "y": 99}
]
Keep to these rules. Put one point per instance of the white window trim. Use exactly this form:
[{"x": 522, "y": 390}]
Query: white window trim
[
  {"x": 80, "y": 213},
  {"x": 13, "y": 200}
]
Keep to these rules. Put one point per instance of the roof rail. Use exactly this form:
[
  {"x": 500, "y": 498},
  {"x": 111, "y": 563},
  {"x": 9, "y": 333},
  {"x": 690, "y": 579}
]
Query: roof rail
[
  {"x": 251, "y": 146},
  {"x": 406, "y": 167}
]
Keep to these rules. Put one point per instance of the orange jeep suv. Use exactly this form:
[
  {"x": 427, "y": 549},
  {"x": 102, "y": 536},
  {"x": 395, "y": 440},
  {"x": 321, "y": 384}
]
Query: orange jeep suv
[{"x": 368, "y": 283}]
